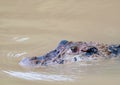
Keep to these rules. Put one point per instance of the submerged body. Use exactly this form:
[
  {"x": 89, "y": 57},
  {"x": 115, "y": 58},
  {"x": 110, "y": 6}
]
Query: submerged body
[{"x": 68, "y": 51}]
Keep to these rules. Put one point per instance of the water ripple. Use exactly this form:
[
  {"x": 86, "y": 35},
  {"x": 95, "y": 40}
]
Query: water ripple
[
  {"x": 38, "y": 76},
  {"x": 20, "y": 39},
  {"x": 14, "y": 54}
]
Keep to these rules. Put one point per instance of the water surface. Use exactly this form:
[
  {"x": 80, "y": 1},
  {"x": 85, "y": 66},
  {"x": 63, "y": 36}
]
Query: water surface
[{"x": 33, "y": 28}]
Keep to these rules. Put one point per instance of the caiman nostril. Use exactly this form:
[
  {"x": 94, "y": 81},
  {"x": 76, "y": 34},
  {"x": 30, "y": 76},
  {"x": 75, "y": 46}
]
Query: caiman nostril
[
  {"x": 33, "y": 58},
  {"x": 37, "y": 62}
]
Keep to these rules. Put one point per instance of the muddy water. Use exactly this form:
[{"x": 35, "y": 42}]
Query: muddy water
[{"x": 32, "y": 28}]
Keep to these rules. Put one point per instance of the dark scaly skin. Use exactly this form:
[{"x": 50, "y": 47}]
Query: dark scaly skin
[{"x": 68, "y": 48}]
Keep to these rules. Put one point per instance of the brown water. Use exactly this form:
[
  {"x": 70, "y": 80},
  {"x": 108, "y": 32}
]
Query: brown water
[{"x": 34, "y": 27}]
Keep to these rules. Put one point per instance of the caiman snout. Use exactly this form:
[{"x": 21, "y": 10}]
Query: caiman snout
[{"x": 30, "y": 62}]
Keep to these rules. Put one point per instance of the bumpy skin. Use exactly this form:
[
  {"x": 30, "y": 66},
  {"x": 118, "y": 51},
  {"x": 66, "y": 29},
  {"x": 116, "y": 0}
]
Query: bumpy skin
[{"x": 68, "y": 51}]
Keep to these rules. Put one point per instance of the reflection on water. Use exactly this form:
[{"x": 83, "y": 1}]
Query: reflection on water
[{"x": 33, "y": 28}]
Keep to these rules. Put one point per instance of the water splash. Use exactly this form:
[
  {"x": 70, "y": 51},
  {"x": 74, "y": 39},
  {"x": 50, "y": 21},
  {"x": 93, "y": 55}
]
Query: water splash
[{"x": 38, "y": 76}]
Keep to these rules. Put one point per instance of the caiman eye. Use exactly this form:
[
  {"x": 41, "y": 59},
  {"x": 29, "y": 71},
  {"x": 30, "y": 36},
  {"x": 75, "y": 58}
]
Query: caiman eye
[{"x": 74, "y": 49}]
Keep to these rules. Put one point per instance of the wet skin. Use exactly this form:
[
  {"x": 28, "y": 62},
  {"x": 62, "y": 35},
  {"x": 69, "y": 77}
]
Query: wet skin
[{"x": 55, "y": 56}]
